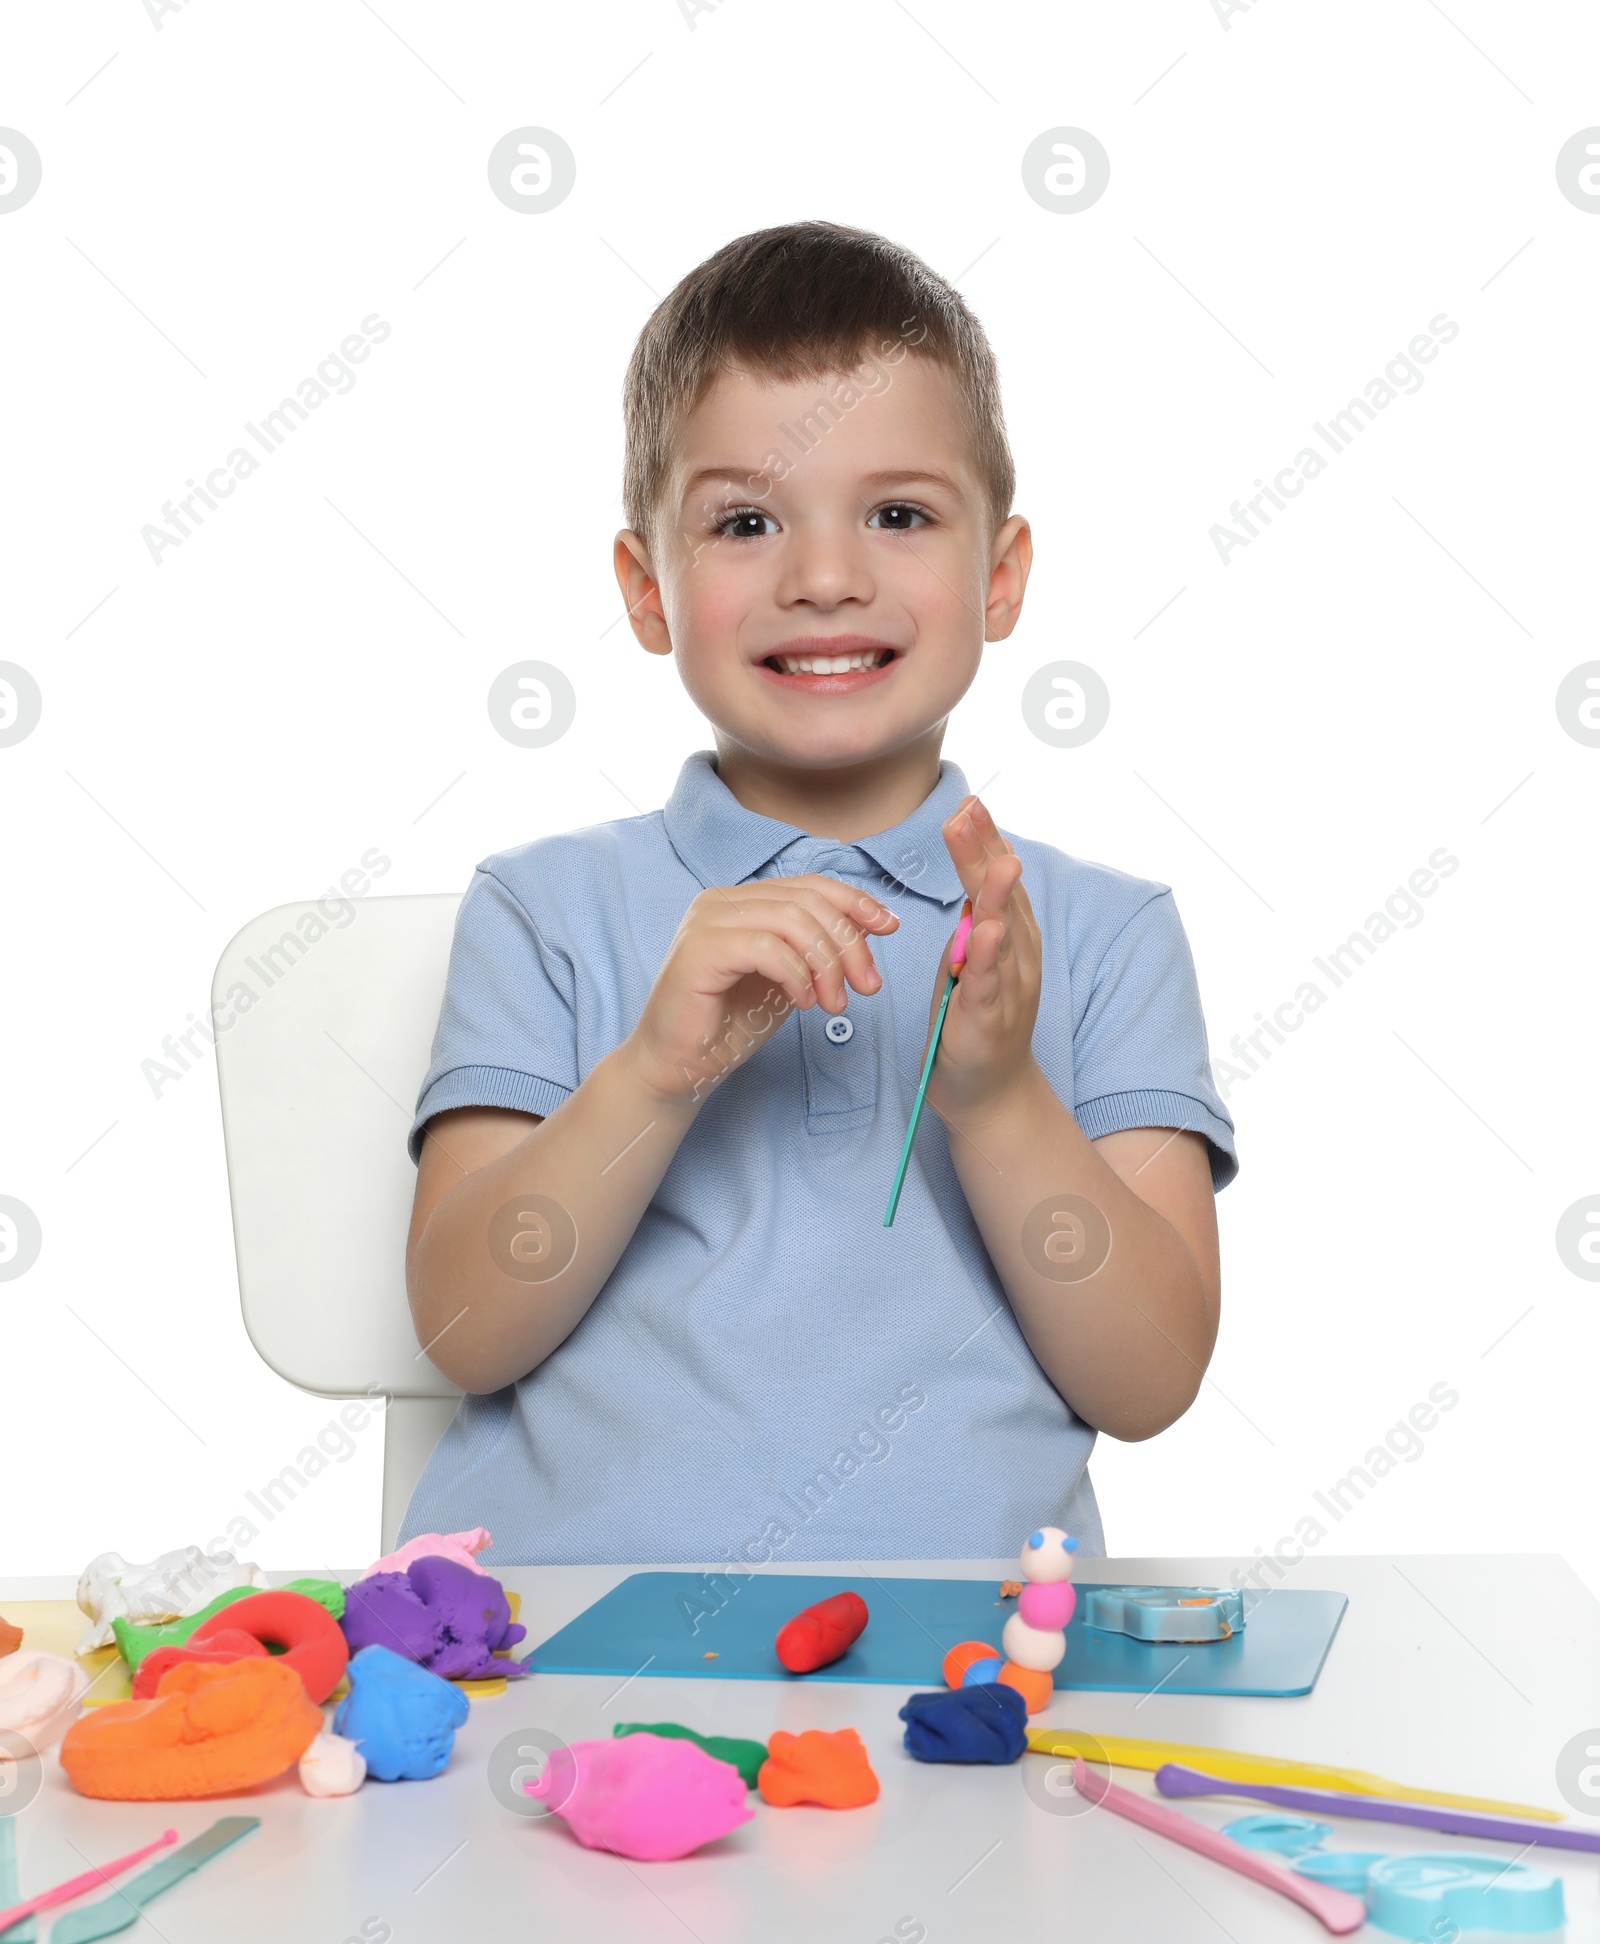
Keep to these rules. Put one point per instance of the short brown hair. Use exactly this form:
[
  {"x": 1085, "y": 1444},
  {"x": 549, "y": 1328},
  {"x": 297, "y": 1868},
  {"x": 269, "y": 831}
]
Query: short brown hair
[{"x": 801, "y": 301}]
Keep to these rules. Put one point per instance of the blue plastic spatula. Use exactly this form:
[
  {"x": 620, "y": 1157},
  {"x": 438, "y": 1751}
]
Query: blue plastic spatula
[{"x": 121, "y": 1909}]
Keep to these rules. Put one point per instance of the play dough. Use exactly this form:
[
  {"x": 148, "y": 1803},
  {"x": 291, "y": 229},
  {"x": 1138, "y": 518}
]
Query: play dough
[
  {"x": 227, "y": 1645},
  {"x": 459, "y": 1546},
  {"x": 746, "y": 1756},
  {"x": 308, "y": 1636},
  {"x": 332, "y": 1766},
  {"x": 134, "y": 1641},
  {"x": 444, "y": 1616},
  {"x": 208, "y": 1731},
  {"x": 401, "y": 1717},
  {"x": 182, "y": 1582},
  {"x": 10, "y": 1637},
  {"x": 648, "y": 1796},
  {"x": 39, "y": 1694},
  {"x": 1035, "y": 1686},
  {"x": 982, "y": 1723},
  {"x": 816, "y": 1766},
  {"x": 969, "y": 1661},
  {"x": 821, "y": 1633}
]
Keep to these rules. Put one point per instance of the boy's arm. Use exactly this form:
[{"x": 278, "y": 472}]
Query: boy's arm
[
  {"x": 518, "y": 1221},
  {"x": 1119, "y": 1295}
]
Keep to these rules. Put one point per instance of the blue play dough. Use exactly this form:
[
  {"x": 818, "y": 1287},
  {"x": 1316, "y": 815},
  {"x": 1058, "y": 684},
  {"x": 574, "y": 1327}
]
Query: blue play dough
[
  {"x": 982, "y": 1672},
  {"x": 985, "y": 1723},
  {"x": 403, "y": 1718}
]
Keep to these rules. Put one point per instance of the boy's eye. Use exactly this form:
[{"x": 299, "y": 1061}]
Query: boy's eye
[
  {"x": 744, "y": 523},
  {"x": 899, "y": 516}
]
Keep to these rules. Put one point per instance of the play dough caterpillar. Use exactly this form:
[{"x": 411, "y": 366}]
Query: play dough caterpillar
[{"x": 1035, "y": 1637}]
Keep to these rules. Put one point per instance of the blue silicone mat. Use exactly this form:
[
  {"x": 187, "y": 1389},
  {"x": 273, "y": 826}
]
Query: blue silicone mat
[{"x": 672, "y": 1623}]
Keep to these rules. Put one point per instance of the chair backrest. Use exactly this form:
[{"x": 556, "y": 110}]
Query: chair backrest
[{"x": 325, "y": 1015}]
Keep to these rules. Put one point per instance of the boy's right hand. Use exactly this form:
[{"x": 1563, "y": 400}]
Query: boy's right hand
[{"x": 744, "y": 956}]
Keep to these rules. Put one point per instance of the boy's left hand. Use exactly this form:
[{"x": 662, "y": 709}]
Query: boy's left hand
[{"x": 987, "y": 1045}]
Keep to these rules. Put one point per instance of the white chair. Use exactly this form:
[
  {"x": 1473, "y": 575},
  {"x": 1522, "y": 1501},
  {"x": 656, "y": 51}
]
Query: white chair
[{"x": 319, "y": 1076}]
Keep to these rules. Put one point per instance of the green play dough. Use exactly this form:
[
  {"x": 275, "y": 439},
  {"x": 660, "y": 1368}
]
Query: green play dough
[
  {"x": 133, "y": 1643},
  {"x": 746, "y": 1756}
]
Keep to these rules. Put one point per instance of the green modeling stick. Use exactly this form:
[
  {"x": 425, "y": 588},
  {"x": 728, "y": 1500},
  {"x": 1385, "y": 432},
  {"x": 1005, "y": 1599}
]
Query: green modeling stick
[{"x": 958, "y": 958}]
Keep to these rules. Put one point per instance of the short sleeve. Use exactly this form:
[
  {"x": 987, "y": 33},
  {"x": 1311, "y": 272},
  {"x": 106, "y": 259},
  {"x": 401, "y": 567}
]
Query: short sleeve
[
  {"x": 1139, "y": 1054},
  {"x": 506, "y": 1035}
]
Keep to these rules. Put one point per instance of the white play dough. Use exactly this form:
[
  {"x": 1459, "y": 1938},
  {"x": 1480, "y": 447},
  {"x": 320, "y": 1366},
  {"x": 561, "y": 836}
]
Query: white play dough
[
  {"x": 40, "y": 1695},
  {"x": 332, "y": 1766},
  {"x": 176, "y": 1584},
  {"x": 1050, "y": 1560},
  {"x": 1032, "y": 1646}
]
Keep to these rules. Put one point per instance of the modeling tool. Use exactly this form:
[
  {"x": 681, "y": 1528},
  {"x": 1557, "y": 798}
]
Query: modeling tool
[
  {"x": 1172, "y": 1779},
  {"x": 1127, "y": 1751},
  {"x": 1335, "y": 1910},
  {"x": 76, "y": 1886},
  {"x": 958, "y": 958},
  {"x": 121, "y": 1909}
]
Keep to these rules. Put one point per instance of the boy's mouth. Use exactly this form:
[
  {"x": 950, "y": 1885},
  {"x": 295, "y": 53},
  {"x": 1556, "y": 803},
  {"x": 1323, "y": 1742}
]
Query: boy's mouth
[{"x": 830, "y": 664}]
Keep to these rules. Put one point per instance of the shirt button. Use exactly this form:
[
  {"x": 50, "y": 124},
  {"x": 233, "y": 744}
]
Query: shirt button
[{"x": 839, "y": 1029}]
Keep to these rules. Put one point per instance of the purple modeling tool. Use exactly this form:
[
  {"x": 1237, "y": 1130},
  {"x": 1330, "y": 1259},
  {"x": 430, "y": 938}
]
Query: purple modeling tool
[{"x": 1173, "y": 1779}]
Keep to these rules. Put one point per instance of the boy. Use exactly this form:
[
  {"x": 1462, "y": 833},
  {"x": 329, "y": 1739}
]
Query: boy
[{"x": 648, "y": 1235}]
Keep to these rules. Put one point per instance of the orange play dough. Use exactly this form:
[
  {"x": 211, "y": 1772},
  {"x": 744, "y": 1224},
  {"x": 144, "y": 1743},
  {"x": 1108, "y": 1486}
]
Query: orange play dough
[
  {"x": 209, "y": 1731},
  {"x": 10, "y": 1637},
  {"x": 1034, "y": 1685},
  {"x": 963, "y": 1655},
  {"x": 817, "y": 1766}
]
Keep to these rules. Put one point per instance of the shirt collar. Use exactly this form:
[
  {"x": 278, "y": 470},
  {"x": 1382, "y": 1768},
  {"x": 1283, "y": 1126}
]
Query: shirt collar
[{"x": 723, "y": 843}]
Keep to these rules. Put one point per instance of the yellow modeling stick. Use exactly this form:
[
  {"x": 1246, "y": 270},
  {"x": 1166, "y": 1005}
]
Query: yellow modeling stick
[{"x": 1125, "y": 1751}]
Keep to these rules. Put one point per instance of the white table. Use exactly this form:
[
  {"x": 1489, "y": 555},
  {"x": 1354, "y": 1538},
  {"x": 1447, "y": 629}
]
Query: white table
[{"x": 1435, "y": 1677}]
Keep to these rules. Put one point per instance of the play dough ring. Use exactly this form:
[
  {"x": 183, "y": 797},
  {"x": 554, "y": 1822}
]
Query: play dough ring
[{"x": 311, "y": 1640}]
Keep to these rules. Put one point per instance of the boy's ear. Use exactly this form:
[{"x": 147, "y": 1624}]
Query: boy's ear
[
  {"x": 641, "y": 592},
  {"x": 1008, "y": 578}
]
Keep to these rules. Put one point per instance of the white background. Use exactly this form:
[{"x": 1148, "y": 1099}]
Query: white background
[{"x": 226, "y": 194}]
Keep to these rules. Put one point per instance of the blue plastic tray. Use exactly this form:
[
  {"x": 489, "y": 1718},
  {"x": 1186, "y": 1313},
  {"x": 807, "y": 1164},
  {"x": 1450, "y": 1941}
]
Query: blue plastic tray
[{"x": 671, "y": 1623}]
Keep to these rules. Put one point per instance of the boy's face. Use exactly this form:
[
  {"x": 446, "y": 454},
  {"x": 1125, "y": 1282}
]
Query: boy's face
[{"x": 831, "y": 519}]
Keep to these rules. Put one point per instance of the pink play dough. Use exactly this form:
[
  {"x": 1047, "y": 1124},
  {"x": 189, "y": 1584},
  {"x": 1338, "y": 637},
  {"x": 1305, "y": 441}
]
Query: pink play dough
[
  {"x": 459, "y": 1546},
  {"x": 1047, "y": 1605},
  {"x": 645, "y": 1796}
]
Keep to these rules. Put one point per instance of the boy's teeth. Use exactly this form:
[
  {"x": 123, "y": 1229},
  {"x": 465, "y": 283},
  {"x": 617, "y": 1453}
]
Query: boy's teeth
[{"x": 831, "y": 664}]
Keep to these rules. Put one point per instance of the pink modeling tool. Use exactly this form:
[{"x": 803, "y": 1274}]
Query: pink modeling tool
[
  {"x": 90, "y": 1880},
  {"x": 1335, "y": 1910},
  {"x": 958, "y": 958}
]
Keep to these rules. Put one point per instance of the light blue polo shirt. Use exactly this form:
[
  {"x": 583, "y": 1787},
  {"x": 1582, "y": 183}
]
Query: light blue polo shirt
[{"x": 770, "y": 1374}]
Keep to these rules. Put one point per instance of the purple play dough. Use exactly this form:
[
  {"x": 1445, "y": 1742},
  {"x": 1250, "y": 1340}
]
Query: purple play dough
[{"x": 439, "y": 1614}]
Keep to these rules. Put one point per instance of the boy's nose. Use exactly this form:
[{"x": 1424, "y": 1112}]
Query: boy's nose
[{"x": 825, "y": 570}]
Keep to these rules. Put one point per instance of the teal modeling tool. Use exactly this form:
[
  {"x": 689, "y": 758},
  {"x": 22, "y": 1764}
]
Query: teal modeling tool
[
  {"x": 11, "y": 1884},
  {"x": 121, "y": 1909},
  {"x": 958, "y": 958},
  {"x": 11, "y": 1918}
]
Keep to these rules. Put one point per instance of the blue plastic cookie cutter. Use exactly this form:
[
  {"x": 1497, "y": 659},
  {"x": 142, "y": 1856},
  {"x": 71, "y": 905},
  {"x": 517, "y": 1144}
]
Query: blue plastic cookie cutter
[
  {"x": 1181, "y": 1614},
  {"x": 1285, "y": 1835},
  {"x": 1443, "y": 1894}
]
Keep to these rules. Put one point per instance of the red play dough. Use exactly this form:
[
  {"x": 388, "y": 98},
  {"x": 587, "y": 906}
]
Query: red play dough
[
  {"x": 229, "y": 1644},
  {"x": 821, "y": 1633},
  {"x": 314, "y": 1643}
]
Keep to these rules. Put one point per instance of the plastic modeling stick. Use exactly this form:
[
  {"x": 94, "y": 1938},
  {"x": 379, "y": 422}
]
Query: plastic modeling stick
[
  {"x": 75, "y": 1886},
  {"x": 958, "y": 958},
  {"x": 1335, "y": 1910},
  {"x": 120, "y": 1911},
  {"x": 1128, "y": 1751},
  {"x": 1174, "y": 1780},
  {"x": 27, "y": 1931}
]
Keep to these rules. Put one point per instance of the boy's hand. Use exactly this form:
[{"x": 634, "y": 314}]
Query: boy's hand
[
  {"x": 987, "y": 1044},
  {"x": 742, "y": 959}
]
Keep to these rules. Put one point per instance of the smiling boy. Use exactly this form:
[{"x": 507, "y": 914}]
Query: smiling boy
[{"x": 677, "y": 1053}]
